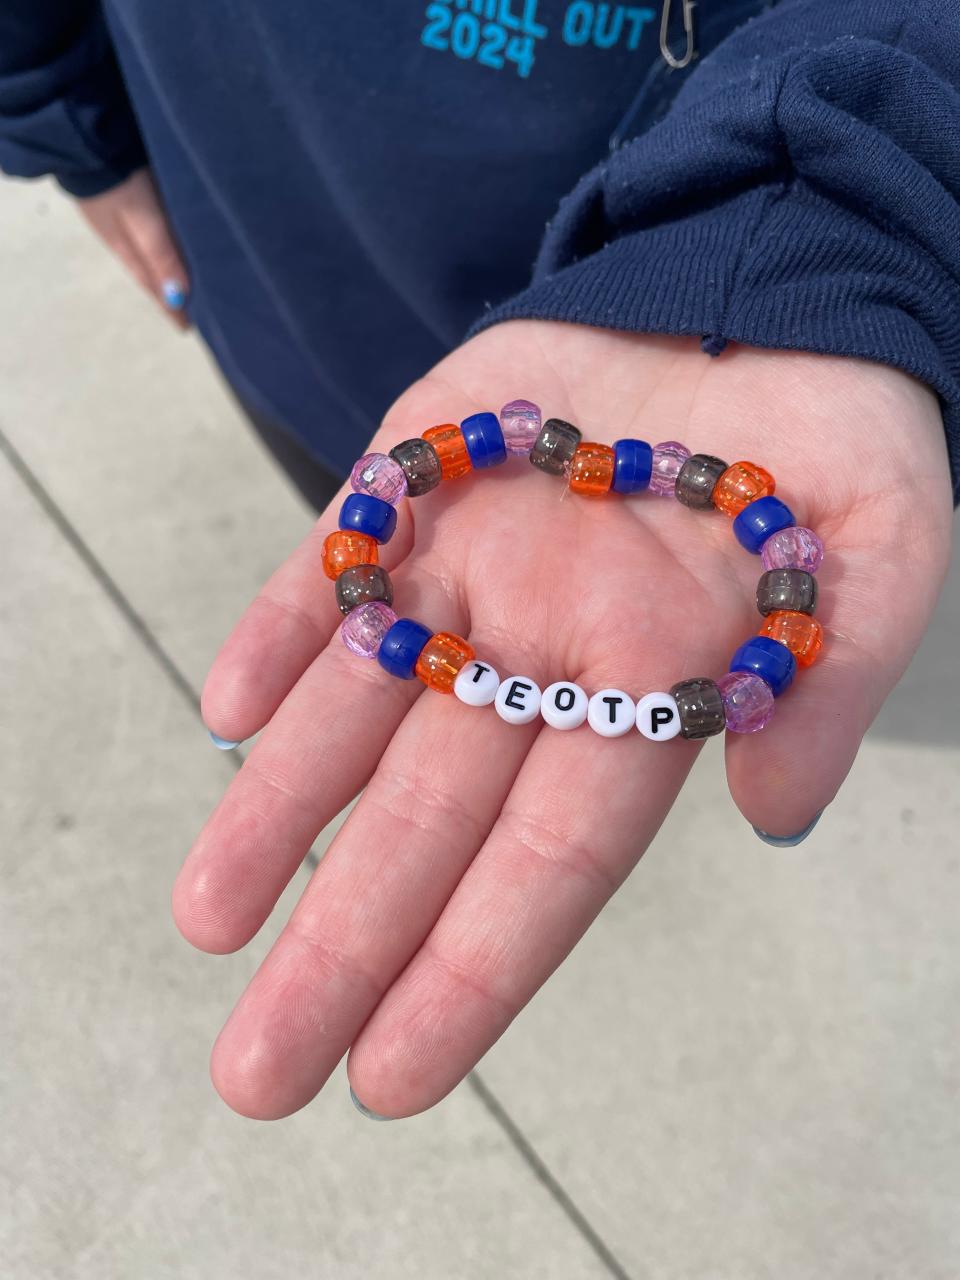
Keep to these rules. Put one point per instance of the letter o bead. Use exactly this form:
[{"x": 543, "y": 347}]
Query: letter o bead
[
  {"x": 564, "y": 705},
  {"x": 658, "y": 717},
  {"x": 518, "y": 700},
  {"x": 476, "y": 684},
  {"x": 611, "y": 713}
]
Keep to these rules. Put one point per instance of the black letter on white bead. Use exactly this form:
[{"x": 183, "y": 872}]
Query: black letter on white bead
[
  {"x": 659, "y": 717},
  {"x": 569, "y": 698},
  {"x": 518, "y": 687}
]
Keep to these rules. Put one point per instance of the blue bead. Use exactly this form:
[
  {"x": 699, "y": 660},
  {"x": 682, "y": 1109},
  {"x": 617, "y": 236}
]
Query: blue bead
[
  {"x": 759, "y": 519},
  {"x": 400, "y": 648},
  {"x": 769, "y": 659},
  {"x": 363, "y": 513},
  {"x": 632, "y": 465},
  {"x": 484, "y": 440}
]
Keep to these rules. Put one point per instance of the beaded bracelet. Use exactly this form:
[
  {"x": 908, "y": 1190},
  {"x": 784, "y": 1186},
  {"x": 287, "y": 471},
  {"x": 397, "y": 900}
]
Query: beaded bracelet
[{"x": 761, "y": 669}]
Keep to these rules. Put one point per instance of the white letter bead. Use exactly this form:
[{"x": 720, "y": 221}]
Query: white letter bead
[
  {"x": 476, "y": 684},
  {"x": 658, "y": 717},
  {"x": 611, "y": 713},
  {"x": 564, "y": 705},
  {"x": 518, "y": 700}
]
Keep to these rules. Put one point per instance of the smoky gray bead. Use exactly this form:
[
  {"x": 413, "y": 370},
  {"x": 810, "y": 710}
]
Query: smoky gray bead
[
  {"x": 420, "y": 465},
  {"x": 361, "y": 584},
  {"x": 701, "y": 708},
  {"x": 787, "y": 589},
  {"x": 555, "y": 446},
  {"x": 697, "y": 480}
]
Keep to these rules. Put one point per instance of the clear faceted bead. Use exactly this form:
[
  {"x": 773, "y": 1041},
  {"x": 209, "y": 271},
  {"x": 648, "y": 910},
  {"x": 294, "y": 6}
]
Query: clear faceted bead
[
  {"x": 520, "y": 424},
  {"x": 668, "y": 457},
  {"x": 363, "y": 628},
  {"x": 747, "y": 701},
  {"x": 380, "y": 476},
  {"x": 793, "y": 548}
]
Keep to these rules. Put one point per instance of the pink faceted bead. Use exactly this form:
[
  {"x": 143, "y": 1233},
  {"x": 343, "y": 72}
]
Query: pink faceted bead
[
  {"x": 795, "y": 548},
  {"x": 668, "y": 458},
  {"x": 520, "y": 424},
  {"x": 747, "y": 701},
  {"x": 365, "y": 626},
  {"x": 379, "y": 475}
]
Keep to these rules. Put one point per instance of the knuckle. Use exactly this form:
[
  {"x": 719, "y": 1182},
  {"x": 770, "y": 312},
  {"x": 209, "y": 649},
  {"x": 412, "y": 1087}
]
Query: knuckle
[
  {"x": 561, "y": 852},
  {"x": 412, "y": 800}
]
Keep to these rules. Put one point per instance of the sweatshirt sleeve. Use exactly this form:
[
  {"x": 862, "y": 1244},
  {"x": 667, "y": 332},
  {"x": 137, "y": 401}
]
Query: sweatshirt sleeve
[
  {"x": 63, "y": 106},
  {"x": 801, "y": 192}
]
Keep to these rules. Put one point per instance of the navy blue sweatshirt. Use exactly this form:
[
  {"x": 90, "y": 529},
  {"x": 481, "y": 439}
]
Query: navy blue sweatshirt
[{"x": 357, "y": 186}]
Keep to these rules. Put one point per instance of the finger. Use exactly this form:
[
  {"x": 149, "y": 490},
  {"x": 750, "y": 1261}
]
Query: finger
[
  {"x": 289, "y": 623},
  {"x": 148, "y": 228},
  {"x": 377, "y": 893},
  {"x": 782, "y": 779},
  {"x": 579, "y": 817},
  {"x": 317, "y": 753},
  {"x": 116, "y": 239}
]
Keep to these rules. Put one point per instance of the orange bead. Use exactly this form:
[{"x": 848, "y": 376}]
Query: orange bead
[
  {"x": 591, "y": 471},
  {"x": 343, "y": 549},
  {"x": 441, "y": 659},
  {"x": 802, "y": 634},
  {"x": 451, "y": 448},
  {"x": 741, "y": 484}
]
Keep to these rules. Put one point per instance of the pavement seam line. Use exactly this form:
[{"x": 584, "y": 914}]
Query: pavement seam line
[
  {"x": 49, "y": 506},
  {"x": 543, "y": 1175}
]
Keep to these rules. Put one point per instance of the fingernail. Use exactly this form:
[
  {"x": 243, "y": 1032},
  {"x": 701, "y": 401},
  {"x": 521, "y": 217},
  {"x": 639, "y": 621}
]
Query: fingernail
[
  {"x": 174, "y": 294},
  {"x": 365, "y": 1111},
  {"x": 787, "y": 842},
  {"x": 223, "y": 744}
]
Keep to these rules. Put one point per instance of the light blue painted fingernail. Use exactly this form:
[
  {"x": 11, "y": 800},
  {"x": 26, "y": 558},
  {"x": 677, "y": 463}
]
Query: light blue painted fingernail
[
  {"x": 788, "y": 842},
  {"x": 174, "y": 294},
  {"x": 223, "y": 744},
  {"x": 365, "y": 1111}
]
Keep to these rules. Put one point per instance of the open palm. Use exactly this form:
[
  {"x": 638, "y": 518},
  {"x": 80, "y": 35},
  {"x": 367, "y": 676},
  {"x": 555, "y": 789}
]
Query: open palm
[{"x": 480, "y": 852}]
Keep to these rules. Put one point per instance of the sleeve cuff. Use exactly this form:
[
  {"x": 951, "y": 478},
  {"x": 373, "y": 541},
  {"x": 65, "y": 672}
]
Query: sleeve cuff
[{"x": 796, "y": 280}]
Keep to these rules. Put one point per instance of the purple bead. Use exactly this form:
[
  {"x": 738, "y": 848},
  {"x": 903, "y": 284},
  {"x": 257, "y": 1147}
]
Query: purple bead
[
  {"x": 520, "y": 424},
  {"x": 380, "y": 476},
  {"x": 363, "y": 628},
  {"x": 747, "y": 701},
  {"x": 668, "y": 458},
  {"x": 795, "y": 548}
]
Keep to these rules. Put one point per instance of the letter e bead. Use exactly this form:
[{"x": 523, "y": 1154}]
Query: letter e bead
[
  {"x": 518, "y": 700},
  {"x": 657, "y": 717}
]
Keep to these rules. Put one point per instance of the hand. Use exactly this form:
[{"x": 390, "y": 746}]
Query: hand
[
  {"x": 479, "y": 852},
  {"x": 131, "y": 221}
]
